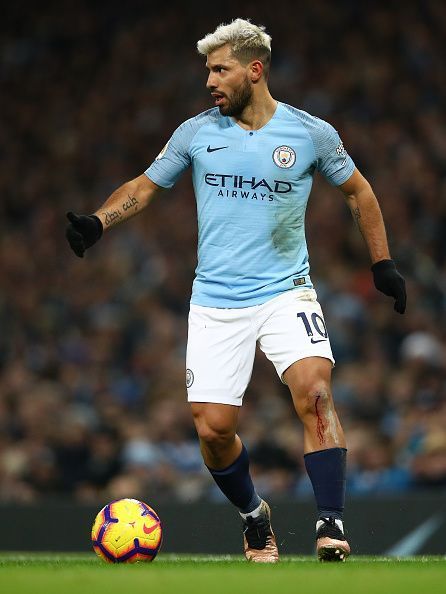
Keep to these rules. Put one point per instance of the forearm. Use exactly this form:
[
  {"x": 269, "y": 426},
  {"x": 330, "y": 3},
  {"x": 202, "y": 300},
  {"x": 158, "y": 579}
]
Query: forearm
[
  {"x": 126, "y": 201},
  {"x": 367, "y": 214}
]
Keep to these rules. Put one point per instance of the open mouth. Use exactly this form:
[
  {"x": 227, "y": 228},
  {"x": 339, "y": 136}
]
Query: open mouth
[{"x": 218, "y": 98}]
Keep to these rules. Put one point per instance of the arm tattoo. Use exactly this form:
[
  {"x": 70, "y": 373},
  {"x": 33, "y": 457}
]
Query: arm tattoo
[
  {"x": 112, "y": 216},
  {"x": 132, "y": 202},
  {"x": 357, "y": 217}
]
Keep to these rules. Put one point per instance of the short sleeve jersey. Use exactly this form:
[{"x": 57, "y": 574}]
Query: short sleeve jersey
[{"x": 252, "y": 189}]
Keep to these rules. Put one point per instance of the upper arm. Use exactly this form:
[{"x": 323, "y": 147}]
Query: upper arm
[
  {"x": 332, "y": 160},
  {"x": 145, "y": 187},
  {"x": 355, "y": 184},
  {"x": 174, "y": 158}
]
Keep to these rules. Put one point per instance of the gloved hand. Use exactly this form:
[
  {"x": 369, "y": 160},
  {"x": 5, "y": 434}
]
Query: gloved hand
[
  {"x": 389, "y": 281},
  {"x": 82, "y": 232}
]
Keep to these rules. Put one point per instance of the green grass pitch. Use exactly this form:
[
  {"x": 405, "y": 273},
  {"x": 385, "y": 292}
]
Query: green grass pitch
[{"x": 171, "y": 574}]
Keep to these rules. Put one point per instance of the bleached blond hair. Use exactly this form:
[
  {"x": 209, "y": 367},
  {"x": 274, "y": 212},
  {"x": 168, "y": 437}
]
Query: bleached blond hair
[{"x": 247, "y": 41}]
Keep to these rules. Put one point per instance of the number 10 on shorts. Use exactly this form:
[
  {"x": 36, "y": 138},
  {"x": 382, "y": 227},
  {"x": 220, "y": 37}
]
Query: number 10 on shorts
[{"x": 317, "y": 322}]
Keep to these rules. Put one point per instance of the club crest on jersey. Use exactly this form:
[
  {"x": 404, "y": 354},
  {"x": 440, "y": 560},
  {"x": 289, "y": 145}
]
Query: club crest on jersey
[
  {"x": 189, "y": 378},
  {"x": 284, "y": 157}
]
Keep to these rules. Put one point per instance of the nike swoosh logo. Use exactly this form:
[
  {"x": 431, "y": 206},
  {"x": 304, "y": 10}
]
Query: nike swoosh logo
[
  {"x": 150, "y": 529},
  {"x": 316, "y": 341},
  {"x": 217, "y": 148}
]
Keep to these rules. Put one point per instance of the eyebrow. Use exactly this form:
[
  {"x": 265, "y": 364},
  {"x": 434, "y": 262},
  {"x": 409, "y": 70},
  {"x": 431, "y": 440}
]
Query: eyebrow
[{"x": 210, "y": 66}]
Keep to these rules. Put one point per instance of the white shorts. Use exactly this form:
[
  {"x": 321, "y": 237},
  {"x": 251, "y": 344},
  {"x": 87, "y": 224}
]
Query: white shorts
[{"x": 222, "y": 343}]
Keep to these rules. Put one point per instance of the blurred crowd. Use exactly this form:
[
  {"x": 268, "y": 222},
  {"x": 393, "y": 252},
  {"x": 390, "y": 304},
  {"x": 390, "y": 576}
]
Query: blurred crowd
[{"x": 92, "y": 375}]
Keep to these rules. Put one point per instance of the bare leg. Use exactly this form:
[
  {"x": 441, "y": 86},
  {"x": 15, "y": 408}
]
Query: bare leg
[
  {"x": 228, "y": 463},
  {"x": 216, "y": 426},
  {"x": 325, "y": 453},
  {"x": 309, "y": 382}
]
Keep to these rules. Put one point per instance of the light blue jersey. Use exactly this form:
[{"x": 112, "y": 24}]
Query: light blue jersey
[{"x": 252, "y": 189}]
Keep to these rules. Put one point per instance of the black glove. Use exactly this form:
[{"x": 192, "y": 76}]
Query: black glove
[
  {"x": 389, "y": 281},
  {"x": 82, "y": 232}
]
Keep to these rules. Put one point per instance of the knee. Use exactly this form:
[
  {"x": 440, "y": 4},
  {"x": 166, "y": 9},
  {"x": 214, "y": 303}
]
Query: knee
[
  {"x": 214, "y": 433},
  {"x": 313, "y": 399}
]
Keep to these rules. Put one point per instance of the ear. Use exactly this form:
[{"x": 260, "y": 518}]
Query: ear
[{"x": 255, "y": 71}]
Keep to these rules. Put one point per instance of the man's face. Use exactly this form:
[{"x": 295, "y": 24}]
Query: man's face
[{"x": 228, "y": 82}]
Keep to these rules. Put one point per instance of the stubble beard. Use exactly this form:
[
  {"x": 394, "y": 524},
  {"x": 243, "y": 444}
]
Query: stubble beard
[{"x": 240, "y": 99}]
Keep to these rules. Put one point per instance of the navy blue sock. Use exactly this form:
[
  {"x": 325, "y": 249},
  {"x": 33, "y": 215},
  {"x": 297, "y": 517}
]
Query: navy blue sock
[
  {"x": 235, "y": 482},
  {"x": 327, "y": 469}
]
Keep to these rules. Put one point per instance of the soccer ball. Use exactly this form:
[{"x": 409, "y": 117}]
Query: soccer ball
[{"x": 125, "y": 531}]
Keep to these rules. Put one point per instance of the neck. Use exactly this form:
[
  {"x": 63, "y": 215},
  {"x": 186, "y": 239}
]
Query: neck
[{"x": 259, "y": 111}]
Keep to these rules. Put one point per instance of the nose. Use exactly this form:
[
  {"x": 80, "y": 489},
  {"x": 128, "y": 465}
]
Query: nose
[{"x": 211, "y": 81}]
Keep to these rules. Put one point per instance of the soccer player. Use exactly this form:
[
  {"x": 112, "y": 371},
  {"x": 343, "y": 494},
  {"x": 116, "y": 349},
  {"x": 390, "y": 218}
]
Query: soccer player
[{"x": 253, "y": 159}]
